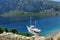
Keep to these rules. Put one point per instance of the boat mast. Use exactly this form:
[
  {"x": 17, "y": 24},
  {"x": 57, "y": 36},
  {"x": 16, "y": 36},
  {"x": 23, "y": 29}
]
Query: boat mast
[
  {"x": 30, "y": 20},
  {"x": 35, "y": 23}
]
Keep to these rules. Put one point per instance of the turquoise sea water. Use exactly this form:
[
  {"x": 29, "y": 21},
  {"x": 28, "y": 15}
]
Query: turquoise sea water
[
  {"x": 48, "y": 25},
  {"x": 56, "y": 0}
]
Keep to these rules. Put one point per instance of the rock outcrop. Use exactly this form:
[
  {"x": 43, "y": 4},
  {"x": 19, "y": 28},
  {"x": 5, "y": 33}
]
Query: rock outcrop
[{"x": 11, "y": 36}]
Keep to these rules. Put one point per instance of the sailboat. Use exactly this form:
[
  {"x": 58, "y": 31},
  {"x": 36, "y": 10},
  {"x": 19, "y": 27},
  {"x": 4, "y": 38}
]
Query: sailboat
[{"x": 32, "y": 29}]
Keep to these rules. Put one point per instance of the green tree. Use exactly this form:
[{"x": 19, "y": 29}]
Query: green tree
[
  {"x": 3, "y": 29},
  {"x": 13, "y": 30}
]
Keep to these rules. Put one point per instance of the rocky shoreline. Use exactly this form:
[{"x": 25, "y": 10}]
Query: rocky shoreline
[{"x": 12, "y": 36}]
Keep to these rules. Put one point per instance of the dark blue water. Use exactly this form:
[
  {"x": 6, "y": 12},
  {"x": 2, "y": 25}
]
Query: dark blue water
[{"x": 46, "y": 24}]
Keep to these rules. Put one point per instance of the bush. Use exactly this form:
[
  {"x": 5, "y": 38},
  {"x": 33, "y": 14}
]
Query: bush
[
  {"x": 13, "y": 30},
  {"x": 25, "y": 34},
  {"x": 58, "y": 39},
  {"x": 3, "y": 29}
]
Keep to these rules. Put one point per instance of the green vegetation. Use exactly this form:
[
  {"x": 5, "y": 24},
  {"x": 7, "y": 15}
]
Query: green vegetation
[
  {"x": 43, "y": 13},
  {"x": 40, "y": 8},
  {"x": 13, "y": 30},
  {"x": 25, "y": 34},
  {"x": 58, "y": 39},
  {"x": 30, "y": 8},
  {"x": 3, "y": 29}
]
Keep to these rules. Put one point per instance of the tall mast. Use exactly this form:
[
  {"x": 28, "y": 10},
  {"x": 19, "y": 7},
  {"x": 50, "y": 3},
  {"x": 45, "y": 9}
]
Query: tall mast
[
  {"x": 35, "y": 23},
  {"x": 30, "y": 20}
]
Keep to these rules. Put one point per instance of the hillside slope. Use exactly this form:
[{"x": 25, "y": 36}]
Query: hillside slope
[{"x": 27, "y": 6}]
